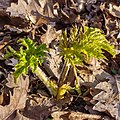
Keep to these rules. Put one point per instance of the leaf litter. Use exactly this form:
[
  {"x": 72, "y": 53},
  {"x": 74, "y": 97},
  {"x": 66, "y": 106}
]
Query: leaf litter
[
  {"x": 17, "y": 100},
  {"x": 43, "y": 21}
]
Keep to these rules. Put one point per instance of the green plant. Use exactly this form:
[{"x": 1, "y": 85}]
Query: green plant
[
  {"x": 81, "y": 44},
  {"x": 30, "y": 56},
  {"x": 77, "y": 47}
]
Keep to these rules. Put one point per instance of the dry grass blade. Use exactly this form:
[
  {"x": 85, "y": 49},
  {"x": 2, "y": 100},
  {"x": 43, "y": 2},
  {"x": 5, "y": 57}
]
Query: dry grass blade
[{"x": 17, "y": 100}]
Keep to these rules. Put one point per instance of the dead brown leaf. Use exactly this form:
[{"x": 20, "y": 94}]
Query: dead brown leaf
[
  {"x": 40, "y": 107},
  {"x": 4, "y": 42},
  {"x": 4, "y": 3},
  {"x": 37, "y": 108},
  {"x": 117, "y": 79},
  {"x": 51, "y": 34},
  {"x": 17, "y": 100},
  {"x": 20, "y": 116},
  {"x": 108, "y": 98},
  {"x": 31, "y": 9},
  {"x": 52, "y": 65},
  {"x": 114, "y": 10}
]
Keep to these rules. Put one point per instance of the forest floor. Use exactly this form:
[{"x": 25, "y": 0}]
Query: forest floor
[{"x": 43, "y": 21}]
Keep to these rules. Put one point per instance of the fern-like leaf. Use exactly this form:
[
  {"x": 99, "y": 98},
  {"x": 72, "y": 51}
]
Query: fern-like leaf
[
  {"x": 83, "y": 44},
  {"x": 30, "y": 56}
]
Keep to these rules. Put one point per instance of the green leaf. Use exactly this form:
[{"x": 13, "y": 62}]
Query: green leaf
[
  {"x": 62, "y": 90},
  {"x": 11, "y": 52},
  {"x": 83, "y": 44},
  {"x": 29, "y": 55}
]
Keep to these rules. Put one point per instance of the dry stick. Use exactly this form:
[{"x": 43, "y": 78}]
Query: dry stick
[
  {"x": 82, "y": 116},
  {"x": 75, "y": 115}
]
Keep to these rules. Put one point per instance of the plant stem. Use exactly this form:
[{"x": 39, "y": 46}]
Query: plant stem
[
  {"x": 64, "y": 73},
  {"x": 45, "y": 80},
  {"x": 77, "y": 79}
]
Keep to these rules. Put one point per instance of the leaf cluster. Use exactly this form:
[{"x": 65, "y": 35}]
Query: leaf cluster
[
  {"x": 79, "y": 45},
  {"x": 29, "y": 55},
  {"x": 83, "y": 43}
]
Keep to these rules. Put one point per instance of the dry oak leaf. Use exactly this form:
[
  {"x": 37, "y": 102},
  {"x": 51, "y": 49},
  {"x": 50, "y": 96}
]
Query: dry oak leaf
[
  {"x": 50, "y": 35},
  {"x": 24, "y": 9},
  {"x": 114, "y": 10},
  {"x": 108, "y": 98},
  {"x": 33, "y": 10},
  {"x": 20, "y": 117},
  {"x": 37, "y": 108},
  {"x": 17, "y": 100}
]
